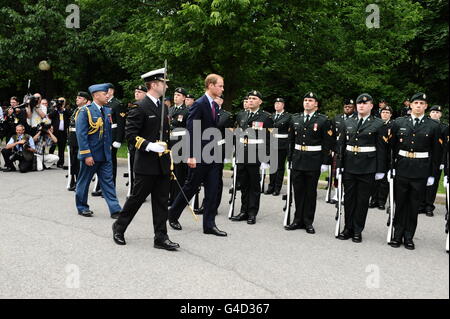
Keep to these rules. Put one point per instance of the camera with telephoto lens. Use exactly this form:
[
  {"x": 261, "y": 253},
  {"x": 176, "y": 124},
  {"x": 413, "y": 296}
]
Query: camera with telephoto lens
[
  {"x": 43, "y": 127},
  {"x": 56, "y": 103},
  {"x": 19, "y": 155}
]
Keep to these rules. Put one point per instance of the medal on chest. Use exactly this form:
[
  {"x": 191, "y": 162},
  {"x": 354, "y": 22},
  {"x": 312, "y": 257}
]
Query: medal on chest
[
  {"x": 315, "y": 127},
  {"x": 257, "y": 125},
  {"x": 180, "y": 118}
]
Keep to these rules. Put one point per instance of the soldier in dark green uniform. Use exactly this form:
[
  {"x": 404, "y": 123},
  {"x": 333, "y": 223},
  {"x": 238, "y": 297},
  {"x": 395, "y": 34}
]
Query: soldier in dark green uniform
[
  {"x": 381, "y": 187},
  {"x": 337, "y": 122},
  {"x": 281, "y": 122},
  {"x": 311, "y": 139},
  {"x": 362, "y": 155},
  {"x": 427, "y": 206},
  {"x": 255, "y": 132},
  {"x": 82, "y": 100},
  {"x": 178, "y": 117},
  {"x": 416, "y": 143}
]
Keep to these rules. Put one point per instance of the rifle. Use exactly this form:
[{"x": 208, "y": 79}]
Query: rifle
[
  {"x": 288, "y": 196},
  {"x": 329, "y": 185},
  {"x": 129, "y": 174},
  {"x": 233, "y": 190},
  {"x": 263, "y": 178},
  {"x": 69, "y": 170},
  {"x": 339, "y": 207},
  {"x": 391, "y": 207},
  {"x": 447, "y": 195}
]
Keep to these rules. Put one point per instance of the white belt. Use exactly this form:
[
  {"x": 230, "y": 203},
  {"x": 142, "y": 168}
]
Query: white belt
[
  {"x": 361, "y": 149},
  {"x": 221, "y": 142},
  {"x": 281, "y": 135},
  {"x": 72, "y": 129},
  {"x": 305, "y": 148},
  {"x": 114, "y": 125},
  {"x": 251, "y": 141},
  {"x": 413, "y": 154},
  {"x": 179, "y": 133}
]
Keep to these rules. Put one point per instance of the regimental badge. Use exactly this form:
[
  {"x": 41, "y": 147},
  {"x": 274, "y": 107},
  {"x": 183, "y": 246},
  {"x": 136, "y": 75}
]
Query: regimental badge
[
  {"x": 311, "y": 95},
  {"x": 330, "y": 132},
  {"x": 257, "y": 125},
  {"x": 110, "y": 118},
  {"x": 365, "y": 99},
  {"x": 351, "y": 102},
  {"x": 122, "y": 114},
  {"x": 180, "y": 118},
  {"x": 315, "y": 127},
  {"x": 441, "y": 141},
  {"x": 424, "y": 96},
  {"x": 401, "y": 140}
]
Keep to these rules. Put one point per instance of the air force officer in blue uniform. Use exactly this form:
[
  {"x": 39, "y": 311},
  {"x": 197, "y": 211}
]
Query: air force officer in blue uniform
[{"x": 93, "y": 127}]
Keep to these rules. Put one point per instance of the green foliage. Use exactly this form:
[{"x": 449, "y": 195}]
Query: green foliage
[{"x": 281, "y": 48}]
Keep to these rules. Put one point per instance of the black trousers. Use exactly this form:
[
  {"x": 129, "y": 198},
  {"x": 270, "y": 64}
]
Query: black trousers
[
  {"x": 220, "y": 187},
  {"x": 24, "y": 166},
  {"x": 276, "y": 179},
  {"x": 305, "y": 194},
  {"x": 250, "y": 178},
  {"x": 430, "y": 194},
  {"x": 380, "y": 191},
  {"x": 208, "y": 174},
  {"x": 131, "y": 152},
  {"x": 158, "y": 187},
  {"x": 356, "y": 197},
  {"x": 74, "y": 162},
  {"x": 181, "y": 172},
  {"x": 409, "y": 194},
  {"x": 62, "y": 142}
]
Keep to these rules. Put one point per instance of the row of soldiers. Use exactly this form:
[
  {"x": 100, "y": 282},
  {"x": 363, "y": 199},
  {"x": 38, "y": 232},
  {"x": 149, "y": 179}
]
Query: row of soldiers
[{"x": 363, "y": 147}]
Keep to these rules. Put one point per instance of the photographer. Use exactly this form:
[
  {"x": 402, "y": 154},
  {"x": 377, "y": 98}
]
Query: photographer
[
  {"x": 35, "y": 112},
  {"x": 44, "y": 139},
  {"x": 14, "y": 116},
  {"x": 19, "y": 148},
  {"x": 60, "y": 118}
]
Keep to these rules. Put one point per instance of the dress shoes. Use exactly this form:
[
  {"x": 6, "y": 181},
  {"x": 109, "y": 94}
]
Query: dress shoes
[
  {"x": 199, "y": 211},
  {"x": 97, "y": 193},
  {"x": 72, "y": 188},
  {"x": 9, "y": 169},
  {"x": 409, "y": 244},
  {"x": 332, "y": 201},
  {"x": 215, "y": 231},
  {"x": 240, "y": 217},
  {"x": 294, "y": 226},
  {"x": 276, "y": 193},
  {"x": 175, "y": 225},
  {"x": 86, "y": 213},
  {"x": 269, "y": 191},
  {"x": 251, "y": 220},
  {"x": 345, "y": 235},
  {"x": 118, "y": 237},
  {"x": 382, "y": 207},
  {"x": 165, "y": 244},
  {"x": 115, "y": 215},
  {"x": 373, "y": 204},
  {"x": 395, "y": 243},
  {"x": 310, "y": 230},
  {"x": 429, "y": 213},
  {"x": 357, "y": 238}
]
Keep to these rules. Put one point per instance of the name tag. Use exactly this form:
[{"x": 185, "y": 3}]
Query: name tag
[{"x": 151, "y": 116}]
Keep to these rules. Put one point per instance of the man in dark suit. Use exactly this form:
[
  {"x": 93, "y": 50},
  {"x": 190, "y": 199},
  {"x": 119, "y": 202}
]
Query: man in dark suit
[
  {"x": 151, "y": 163},
  {"x": 60, "y": 118},
  {"x": 204, "y": 113},
  {"x": 362, "y": 155},
  {"x": 281, "y": 121}
]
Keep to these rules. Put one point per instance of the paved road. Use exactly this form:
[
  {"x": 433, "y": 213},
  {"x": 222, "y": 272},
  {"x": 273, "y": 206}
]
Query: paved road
[{"x": 48, "y": 251}]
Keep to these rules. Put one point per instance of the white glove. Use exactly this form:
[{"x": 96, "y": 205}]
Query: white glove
[
  {"x": 379, "y": 176},
  {"x": 445, "y": 181},
  {"x": 227, "y": 160},
  {"x": 116, "y": 144},
  {"x": 339, "y": 171},
  {"x": 441, "y": 167},
  {"x": 392, "y": 172},
  {"x": 430, "y": 181},
  {"x": 265, "y": 166},
  {"x": 155, "y": 147},
  {"x": 323, "y": 168}
]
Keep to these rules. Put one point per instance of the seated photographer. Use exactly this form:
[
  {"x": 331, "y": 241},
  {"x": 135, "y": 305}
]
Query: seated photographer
[
  {"x": 44, "y": 139},
  {"x": 19, "y": 148}
]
